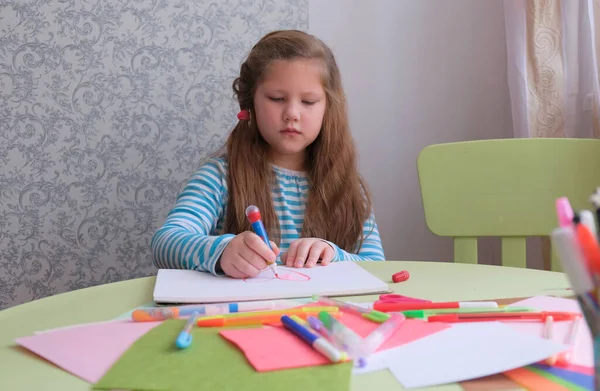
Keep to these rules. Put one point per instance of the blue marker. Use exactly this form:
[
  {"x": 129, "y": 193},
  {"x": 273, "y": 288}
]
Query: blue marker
[
  {"x": 253, "y": 215},
  {"x": 185, "y": 336},
  {"x": 318, "y": 343}
]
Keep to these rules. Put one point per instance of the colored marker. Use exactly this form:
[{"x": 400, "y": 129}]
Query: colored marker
[
  {"x": 320, "y": 344},
  {"x": 319, "y": 327},
  {"x": 373, "y": 341},
  {"x": 185, "y": 336},
  {"x": 162, "y": 313},
  {"x": 588, "y": 245},
  {"x": 587, "y": 218},
  {"x": 372, "y": 315},
  {"x": 508, "y": 316},
  {"x": 423, "y": 314},
  {"x": 565, "y": 357},
  {"x": 548, "y": 333},
  {"x": 252, "y": 320},
  {"x": 595, "y": 200},
  {"x": 410, "y": 305},
  {"x": 289, "y": 311},
  {"x": 564, "y": 212},
  {"x": 253, "y": 215},
  {"x": 343, "y": 337},
  {"x": 574, "y": 264}
]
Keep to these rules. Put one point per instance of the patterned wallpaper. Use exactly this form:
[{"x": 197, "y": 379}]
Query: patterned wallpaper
[{"x": 106, "y": 108}]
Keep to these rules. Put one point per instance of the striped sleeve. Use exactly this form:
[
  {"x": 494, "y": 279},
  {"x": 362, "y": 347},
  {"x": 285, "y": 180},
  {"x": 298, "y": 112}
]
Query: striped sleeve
[
  {"x": 186, "y": 239},
  {"x": 371, "y": 249}
]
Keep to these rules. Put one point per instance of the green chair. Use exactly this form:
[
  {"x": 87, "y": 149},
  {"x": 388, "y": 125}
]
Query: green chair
[{"x": 504, "y": 188}]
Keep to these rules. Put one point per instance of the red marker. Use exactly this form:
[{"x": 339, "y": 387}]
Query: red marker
[{"x": 399, "y": 306}]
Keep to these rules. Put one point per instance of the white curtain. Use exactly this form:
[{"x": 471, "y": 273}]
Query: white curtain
[{"x": 552, "y": 48}]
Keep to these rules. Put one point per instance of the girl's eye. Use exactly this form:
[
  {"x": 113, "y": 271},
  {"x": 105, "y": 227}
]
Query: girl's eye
[
  {"x": 276, "y": 99},
  {"x": 308, "y": 103}
]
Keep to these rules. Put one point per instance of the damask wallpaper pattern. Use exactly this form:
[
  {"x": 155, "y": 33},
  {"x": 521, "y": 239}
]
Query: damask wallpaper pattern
[{"x": 106, "y": 108}]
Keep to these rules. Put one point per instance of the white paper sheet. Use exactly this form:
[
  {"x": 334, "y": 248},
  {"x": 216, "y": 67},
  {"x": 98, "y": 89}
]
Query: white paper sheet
[
  {"x": 462, "y": 352},
  {"x": 336, "y": 279}
]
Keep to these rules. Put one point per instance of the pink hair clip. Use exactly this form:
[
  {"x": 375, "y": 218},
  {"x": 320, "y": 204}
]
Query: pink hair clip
[{"x": 244, "y": 115}]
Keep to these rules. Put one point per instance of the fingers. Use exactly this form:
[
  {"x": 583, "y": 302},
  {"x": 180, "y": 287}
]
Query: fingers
[
  {"x": 290, "y": 255},
  {"x": 254, "y": 242},
  {"x": 254, "y": 263},
  {"x": 232, "y": 271},
  {"x": 302, "y": 253},
  {"x": 315, "y": 253},
  {"x": 328, "y": 255},
  {"x": 274, "y": 247}
]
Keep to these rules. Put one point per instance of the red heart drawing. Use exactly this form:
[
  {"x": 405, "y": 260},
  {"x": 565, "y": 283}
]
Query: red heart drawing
[{"x": 288, "y": 275}]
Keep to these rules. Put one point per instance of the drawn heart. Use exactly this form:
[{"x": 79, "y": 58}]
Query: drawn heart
[{"x": 267, "y": 275}]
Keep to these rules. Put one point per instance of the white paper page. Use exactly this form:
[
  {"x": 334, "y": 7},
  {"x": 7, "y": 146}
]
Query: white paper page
[
  {"x": 463, "y": 352},
  {"x": 339, "y": 278}
]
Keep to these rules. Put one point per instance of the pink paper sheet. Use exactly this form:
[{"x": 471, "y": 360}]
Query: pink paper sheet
[
  {"x": 87, "y": 351},
  {"x": 583, "y": 354},
  {"x": 274, "y": 348}
]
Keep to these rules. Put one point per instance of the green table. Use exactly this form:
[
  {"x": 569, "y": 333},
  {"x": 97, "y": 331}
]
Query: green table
[{"x": 24, "y": 371}]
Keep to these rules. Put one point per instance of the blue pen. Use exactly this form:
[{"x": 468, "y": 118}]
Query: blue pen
[
  {"x": 320, "y": 344},
  {"x": 253, "y": 215},
  {"x": 185, "y": 336}
]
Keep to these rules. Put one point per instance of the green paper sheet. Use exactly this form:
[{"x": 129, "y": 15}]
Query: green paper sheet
[{"x": 153, "y": 363}]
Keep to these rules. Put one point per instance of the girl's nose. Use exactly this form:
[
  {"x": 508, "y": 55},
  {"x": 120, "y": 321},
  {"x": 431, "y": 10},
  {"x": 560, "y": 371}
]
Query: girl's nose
[{"x": 291, "y": 113}]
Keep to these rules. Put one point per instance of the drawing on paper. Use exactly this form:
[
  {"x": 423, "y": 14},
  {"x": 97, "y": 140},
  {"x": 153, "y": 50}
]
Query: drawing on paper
[{"x": 284, "y": 274}]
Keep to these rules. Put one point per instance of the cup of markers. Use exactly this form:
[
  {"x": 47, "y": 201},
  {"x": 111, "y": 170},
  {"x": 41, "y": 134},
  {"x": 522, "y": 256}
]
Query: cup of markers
[{"x": 576, "y": 244}]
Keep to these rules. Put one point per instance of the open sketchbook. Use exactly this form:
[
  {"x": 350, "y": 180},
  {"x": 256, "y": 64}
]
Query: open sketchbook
[{"x": 336, "y": 279}]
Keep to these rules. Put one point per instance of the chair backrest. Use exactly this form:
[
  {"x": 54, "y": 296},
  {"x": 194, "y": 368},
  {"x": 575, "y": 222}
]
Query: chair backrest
[{"x": 505, "y": 188}]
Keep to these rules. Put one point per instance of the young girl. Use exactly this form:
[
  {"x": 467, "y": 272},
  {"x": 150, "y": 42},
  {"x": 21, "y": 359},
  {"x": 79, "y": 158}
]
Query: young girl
[{"x": 292, "y": 155}]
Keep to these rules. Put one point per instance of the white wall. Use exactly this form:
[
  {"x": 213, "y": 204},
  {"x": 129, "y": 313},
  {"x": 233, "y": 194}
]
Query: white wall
[{"x": 416, "y": 72}]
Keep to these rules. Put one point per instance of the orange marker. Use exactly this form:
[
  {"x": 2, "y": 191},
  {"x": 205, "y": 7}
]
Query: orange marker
[{"x": 155, "y": 314}]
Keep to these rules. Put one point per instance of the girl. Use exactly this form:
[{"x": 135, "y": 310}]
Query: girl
[{"x": 292, "y": 138}]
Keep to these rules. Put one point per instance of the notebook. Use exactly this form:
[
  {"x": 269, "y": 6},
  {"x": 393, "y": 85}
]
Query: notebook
[{"x": 337, "y": 279}]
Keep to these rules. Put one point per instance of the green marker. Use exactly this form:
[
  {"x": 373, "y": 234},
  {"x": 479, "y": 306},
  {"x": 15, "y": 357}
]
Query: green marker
[
  {"x": 372, "y": 315},
  {"x": 376, "y": 316}
]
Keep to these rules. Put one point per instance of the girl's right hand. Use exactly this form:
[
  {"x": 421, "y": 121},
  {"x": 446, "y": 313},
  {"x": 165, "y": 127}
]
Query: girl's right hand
[{"x": 247, "y": 255}]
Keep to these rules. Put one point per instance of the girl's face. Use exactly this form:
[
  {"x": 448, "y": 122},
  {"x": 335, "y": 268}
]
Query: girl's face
[{"x": 289, "y": 105}]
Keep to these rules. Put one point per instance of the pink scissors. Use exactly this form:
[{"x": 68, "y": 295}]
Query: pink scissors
[{"x": 393, "y": 297}]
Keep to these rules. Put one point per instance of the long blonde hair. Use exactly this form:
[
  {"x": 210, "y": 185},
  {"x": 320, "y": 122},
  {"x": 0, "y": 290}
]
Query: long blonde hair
[{"x": 338, "y": 202}]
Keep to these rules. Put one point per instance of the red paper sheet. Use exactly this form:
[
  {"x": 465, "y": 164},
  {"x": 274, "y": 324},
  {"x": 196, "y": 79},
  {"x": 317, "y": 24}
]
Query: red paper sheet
[{"x": 274, "y": 348}]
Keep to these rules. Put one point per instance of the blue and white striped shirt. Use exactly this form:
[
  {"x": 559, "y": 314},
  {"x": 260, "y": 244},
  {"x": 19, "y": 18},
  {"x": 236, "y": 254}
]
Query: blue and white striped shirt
[{"x": 192, "y": 235}]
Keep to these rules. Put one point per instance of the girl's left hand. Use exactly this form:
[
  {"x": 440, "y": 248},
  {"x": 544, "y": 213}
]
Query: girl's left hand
[{"x": 306, "y": 252}]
